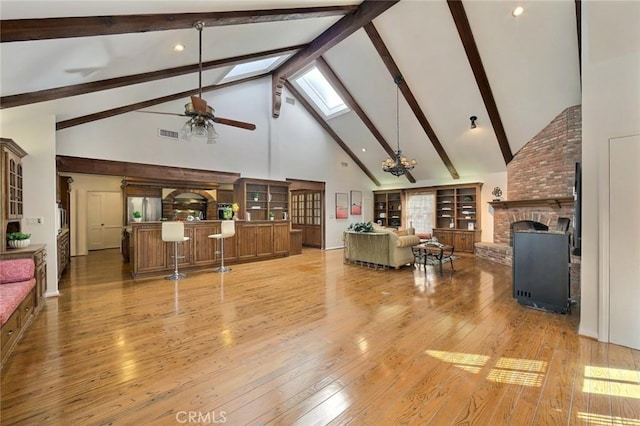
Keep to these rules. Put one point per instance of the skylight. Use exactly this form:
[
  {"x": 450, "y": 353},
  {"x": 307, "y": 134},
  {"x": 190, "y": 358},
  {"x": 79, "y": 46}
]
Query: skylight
[
  {"x": 320, "y": 92},
  {"x": 249, "y": 69}
]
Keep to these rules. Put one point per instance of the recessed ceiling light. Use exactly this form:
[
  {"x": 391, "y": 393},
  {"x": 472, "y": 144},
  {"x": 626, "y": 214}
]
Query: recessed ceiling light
[
  {"x": 364, "y": 149},
  {"x": 178, "y": 47},
  {"x": 517, "y": 11}
]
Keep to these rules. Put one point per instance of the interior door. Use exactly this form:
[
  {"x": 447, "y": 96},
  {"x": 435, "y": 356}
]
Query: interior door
[
  {"x": 624, "y": 241},
  {"x": 104, "y": 219}
]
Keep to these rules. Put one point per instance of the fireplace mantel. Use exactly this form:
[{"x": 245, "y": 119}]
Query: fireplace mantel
[{"x": 538, "y": 202}]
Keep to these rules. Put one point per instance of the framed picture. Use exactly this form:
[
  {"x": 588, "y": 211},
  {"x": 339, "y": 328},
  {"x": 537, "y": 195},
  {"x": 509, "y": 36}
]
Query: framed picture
[
  {"x": 342, "y": 205},
  {"x": 356, "y": 203}
]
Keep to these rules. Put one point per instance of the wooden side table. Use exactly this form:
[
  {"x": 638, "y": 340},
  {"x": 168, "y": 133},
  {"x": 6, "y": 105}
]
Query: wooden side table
[{"x": 440, "y": 252}]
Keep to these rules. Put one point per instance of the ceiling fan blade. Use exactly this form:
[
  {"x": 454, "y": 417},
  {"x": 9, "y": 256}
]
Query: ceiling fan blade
[
  {"x": 163, "y": 113},
  {"x": 234, "y": 123},
  {"x": 199, "y": 104}
]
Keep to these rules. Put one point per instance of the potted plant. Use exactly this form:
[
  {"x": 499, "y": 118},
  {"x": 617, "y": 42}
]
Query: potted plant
[
  {"x": 235, "y": 208},
  {"x": 18, "y": 239},
  {"x": 271, "y": 216},
  {"x": 137, "y": 216},
  {"x": 255, "y": 196}
]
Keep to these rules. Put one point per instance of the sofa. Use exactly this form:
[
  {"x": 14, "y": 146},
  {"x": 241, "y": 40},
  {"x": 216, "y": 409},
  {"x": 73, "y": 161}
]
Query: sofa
[
  {"x": 17, "y": 300},
  {"x": 386, "y": 247}
]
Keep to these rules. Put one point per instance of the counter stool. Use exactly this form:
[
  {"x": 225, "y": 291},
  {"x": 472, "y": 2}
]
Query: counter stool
[
  {"x": 227, "y": 229},
  {"x": 174, "y": 232}
]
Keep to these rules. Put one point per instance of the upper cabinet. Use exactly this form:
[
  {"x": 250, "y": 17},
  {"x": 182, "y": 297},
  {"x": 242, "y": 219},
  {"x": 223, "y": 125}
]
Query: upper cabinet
[
  {"x": 260, "y": 199},
  {"x": 11, "y": 186},
  {"x": 458, "y": 207},
  {"x": 12, "y": 179},
  {"x": 387, "y": 208}
]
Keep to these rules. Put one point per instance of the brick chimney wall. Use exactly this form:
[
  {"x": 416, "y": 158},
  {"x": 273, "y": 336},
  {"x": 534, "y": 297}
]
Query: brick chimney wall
[{"x": 545, "y": 166}]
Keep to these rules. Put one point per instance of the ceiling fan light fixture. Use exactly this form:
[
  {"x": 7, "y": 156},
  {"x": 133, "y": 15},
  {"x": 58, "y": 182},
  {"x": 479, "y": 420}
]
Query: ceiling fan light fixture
[
  {"x": 212, "y": 135},
  {"x": 185, "y": 132}
]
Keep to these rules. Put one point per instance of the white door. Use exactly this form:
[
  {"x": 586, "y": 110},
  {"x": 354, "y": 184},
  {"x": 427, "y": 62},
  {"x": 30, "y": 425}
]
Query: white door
[
  {"x": 104, "y": 219},
  {"x": 624, "y": 241}
]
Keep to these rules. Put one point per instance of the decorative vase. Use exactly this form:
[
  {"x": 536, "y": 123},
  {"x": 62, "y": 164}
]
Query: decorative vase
[
  {"x": 137, "y": 219},
  {"x": 19, "y": 243}
]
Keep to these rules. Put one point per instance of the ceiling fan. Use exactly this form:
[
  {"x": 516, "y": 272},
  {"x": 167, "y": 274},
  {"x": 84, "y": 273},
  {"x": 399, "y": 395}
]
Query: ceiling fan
[{"x": 202, "y": 116}]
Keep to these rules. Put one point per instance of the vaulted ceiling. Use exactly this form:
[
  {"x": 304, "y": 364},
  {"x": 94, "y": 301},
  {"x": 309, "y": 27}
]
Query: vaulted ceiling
[{"x": 87, "y": 60}]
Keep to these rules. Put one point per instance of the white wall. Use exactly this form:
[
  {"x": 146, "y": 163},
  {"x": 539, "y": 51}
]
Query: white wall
[
  {"x": 292, "y": 146},
  {"x": 37, "y": 138},
  {"x": 610, "y": 108}
]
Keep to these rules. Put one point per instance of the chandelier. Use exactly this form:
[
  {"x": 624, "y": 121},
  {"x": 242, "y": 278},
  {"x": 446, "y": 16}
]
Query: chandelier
[{"x": 399, "y": 165}]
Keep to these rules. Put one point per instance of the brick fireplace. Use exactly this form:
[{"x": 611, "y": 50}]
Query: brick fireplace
[{"x": 540, "y": 181}]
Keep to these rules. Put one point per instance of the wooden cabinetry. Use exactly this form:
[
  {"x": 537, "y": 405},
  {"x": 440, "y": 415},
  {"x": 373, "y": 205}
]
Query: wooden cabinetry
[
  {"x": 253, "y": 241},
  {"x": 387, "y": 208},
  {"x": 63, "y": 251},
  {"x": 461, "y": 240},
  {"x": 258, "y": 199},
  {"x": 11, "y": 186},
  {"x": 257, "y": 240},
  {"x": 458, "y": 216},
  {"x": 224, "y": 196}
]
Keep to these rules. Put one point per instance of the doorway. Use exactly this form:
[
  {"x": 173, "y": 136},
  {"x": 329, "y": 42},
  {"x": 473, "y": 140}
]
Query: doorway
[{"x": 104, "y": 220}]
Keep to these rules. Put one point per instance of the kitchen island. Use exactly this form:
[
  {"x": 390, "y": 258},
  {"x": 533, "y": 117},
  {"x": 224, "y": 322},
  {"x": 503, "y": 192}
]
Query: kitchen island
[{"x": 253, "y": 241}]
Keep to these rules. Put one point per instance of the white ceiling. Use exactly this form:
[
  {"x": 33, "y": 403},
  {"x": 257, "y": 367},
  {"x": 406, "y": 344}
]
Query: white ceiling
[{"x": 531, "y": 63}]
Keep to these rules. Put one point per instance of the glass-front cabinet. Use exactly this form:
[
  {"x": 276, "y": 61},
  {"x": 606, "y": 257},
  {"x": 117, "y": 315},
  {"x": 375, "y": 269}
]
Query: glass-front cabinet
[{"x": 306, "y": 215}]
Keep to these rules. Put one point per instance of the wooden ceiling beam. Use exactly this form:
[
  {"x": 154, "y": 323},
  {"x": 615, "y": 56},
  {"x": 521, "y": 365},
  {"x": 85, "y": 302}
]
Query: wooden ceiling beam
[
  {"x": 473, "y": 55},
  {"x": 344, "y": 93},
  {"x": 323, "y": 123},
  {"x": 113, "y": 83},
  {"x": 193, "y": 178},
  {"x": 391, "y": 65},
  {"x": 15, "y": 30},
  {"x": 366, "y": 12},
  {"x": 146, "y": 104}
]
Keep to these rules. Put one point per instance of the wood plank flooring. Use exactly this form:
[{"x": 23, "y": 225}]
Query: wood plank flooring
[{"x": 309, "y": 340}]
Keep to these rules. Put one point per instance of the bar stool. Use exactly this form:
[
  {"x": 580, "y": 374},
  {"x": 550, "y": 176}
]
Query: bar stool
[
  {"x": 174, "y": 232},
  {"x": 227, "y": 229}
]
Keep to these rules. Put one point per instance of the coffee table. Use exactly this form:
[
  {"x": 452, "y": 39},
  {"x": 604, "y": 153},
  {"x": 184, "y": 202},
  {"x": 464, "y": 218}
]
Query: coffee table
[{"x": 436, "y": 251}]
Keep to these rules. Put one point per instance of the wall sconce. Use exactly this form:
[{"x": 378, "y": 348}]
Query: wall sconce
[{"x": 473, "y": 119}]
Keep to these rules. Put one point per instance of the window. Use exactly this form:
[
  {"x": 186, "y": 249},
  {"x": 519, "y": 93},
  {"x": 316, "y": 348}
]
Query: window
[
  {"x": 318, "y": 89},
  {"x": 421, "y": 211},
  {"x": 252, "y": 68}
]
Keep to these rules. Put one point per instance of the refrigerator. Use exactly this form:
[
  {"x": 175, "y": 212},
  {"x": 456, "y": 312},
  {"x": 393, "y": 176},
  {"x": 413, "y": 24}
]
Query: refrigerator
[{"x": 150, "y": 207}]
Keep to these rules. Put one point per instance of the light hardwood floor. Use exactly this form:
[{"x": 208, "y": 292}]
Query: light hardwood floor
[{"x": 309, "y": 340}]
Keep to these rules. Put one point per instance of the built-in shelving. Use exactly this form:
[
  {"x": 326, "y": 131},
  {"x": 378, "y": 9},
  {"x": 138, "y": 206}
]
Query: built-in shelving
[
  {"x": 387, "y": 208},
  {"x": 262, "y": 199}
]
